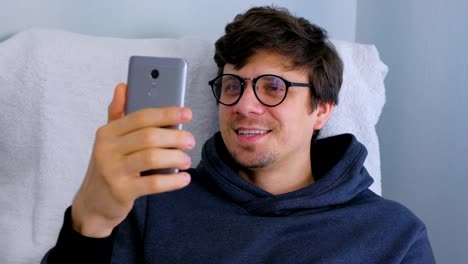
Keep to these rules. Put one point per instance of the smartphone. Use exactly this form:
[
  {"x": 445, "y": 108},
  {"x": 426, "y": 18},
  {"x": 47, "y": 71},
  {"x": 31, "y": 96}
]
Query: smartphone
[{"x": 156, "y": 82}]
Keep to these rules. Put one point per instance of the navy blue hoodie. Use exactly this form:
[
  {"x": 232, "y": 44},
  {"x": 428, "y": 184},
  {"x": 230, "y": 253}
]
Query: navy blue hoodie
[{"x": 221, "y": 218}]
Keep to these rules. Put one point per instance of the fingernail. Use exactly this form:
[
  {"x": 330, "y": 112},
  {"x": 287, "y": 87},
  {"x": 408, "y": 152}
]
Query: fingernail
[
  {"x": 186, "y": 177},
  {"x": 190, "y": 142},
  {"x": 188, "y": 161},
  {"x": 186, "y": 113}
]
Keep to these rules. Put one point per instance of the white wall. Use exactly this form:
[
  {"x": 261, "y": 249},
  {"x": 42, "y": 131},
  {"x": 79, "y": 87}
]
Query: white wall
[
  {"x": 424, "y": 127},
  {"x": 153, "y": 18}
]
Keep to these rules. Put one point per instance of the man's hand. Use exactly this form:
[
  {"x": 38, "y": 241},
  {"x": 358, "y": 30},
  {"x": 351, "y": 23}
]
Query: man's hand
[{"x": 123, "y": 148}]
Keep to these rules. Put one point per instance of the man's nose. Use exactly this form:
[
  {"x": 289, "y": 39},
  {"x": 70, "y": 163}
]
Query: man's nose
[{"x": 248, "y": 103}]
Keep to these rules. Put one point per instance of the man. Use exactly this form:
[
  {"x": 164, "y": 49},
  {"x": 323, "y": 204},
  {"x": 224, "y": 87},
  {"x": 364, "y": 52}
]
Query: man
[{"x": 265, "y": 191}]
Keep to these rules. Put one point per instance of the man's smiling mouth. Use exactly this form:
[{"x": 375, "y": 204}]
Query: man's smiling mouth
[{"x": 252, "y": 132}]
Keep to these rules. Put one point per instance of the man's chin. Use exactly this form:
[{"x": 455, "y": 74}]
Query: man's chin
[{"x": 253, "y": 161}]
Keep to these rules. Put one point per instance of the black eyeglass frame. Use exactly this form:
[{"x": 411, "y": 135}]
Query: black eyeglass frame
[{"x": 254, "y": 85}]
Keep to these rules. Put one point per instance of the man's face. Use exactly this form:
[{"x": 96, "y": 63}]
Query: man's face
[{"x": 258, "y": 136}]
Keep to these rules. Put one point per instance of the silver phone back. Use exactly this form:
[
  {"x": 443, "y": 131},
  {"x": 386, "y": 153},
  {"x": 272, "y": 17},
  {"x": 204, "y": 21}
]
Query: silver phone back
[{"x": 144, "y": 91}]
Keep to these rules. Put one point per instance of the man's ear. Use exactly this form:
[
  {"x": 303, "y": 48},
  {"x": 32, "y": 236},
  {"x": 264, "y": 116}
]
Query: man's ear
[{"x": 323, "y": 113}]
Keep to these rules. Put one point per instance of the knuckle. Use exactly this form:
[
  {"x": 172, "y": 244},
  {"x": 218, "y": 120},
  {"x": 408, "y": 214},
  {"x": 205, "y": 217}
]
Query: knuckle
[
  {"x": 182, "y": 160},
  {"x": 99, "y": 153},
  {"x": 106, "y": 171},
  {"x": 170, "y": 114},
  {"x": 182, "y": 136},
  {"x": 155, "y": 184},
  {"x": 100, "y": 133},
  {"x": 163, "y": 183},
  {"x": 141, "y": 117},
  {"x": 152, "y": 157},
  {"x": 148, "y": 137},
  {"x": 102, "y": 151},
  {"x": 182, "y": 155},
  {"x": 117, "y": 188}
]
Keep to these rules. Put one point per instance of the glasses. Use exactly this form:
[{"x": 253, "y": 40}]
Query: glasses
[{"x": 270, "y": 90}]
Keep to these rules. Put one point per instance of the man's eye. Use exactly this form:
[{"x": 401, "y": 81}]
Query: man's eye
[
  {"x": 231, "y": 87},
  {"x": 274, "y": 88}
]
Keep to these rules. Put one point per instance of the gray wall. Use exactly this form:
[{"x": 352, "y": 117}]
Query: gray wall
[
  {"x": 424, "y": 127},
  {"x": 153, "y": 18}
]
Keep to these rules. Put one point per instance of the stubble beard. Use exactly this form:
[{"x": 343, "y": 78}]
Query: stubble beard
[{"x": 258, "y": 161}]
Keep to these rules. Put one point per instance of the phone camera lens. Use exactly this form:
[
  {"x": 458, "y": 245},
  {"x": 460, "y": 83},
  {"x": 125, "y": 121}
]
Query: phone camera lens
[{"x": 154, "y": 74}]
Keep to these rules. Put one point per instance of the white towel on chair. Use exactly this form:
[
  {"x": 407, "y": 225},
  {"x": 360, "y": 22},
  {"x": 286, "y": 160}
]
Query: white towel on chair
[{"x": 55, "y": 87}]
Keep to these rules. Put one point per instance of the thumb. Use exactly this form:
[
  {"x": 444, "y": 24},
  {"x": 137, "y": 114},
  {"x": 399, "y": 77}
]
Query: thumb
[{"x": 117, "y": 107}]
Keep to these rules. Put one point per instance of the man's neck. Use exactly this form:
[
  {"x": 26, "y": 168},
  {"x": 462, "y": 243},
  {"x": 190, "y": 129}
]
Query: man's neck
[{"x": 280, "y": 178}]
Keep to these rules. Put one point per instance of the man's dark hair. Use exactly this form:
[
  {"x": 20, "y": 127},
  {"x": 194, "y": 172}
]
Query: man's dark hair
[{"x": 276, "y": 29}]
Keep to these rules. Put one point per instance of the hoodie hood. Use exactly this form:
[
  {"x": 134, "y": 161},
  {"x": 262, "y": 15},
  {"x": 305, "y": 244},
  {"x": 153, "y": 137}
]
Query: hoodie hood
[{"x": 337, "y": 165}]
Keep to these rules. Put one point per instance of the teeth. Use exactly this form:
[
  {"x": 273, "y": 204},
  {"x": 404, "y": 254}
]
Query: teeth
[{"x": 252, "y": 132}]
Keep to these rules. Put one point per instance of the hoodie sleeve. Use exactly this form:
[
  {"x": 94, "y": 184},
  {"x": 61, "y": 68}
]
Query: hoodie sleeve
[
  {"x": 72, "y": 247},
  {"x": 421, "y": 250}
]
